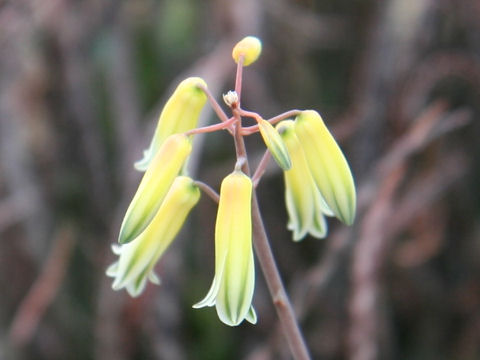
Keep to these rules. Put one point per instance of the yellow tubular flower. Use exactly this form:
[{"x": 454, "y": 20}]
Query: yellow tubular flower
[
  {"x": 305, "y": 205},
  {"x": 327, "y": 164},
  {"x": 154, "y": 186},
  {"x": 179, "y": 115},
  {"x": 138, "y": 258},
  {"x": 250, "y": 47},
  {"x": 234, "y": 281},
  {"x": 275, "y": 144}
]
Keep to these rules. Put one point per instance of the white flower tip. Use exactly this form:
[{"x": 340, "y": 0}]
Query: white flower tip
[
  {"x": 142, "y": 164},
  {"x": 154, "y": 279},
  {"x": 112, "y": 270},
  {"x": 136, "y": 289},
  {"x": 297, "y": 237},
  {"x": 116, "y": 249},
  {"x": 251, "y": 316},
  {"x": 116, "y": 285}
]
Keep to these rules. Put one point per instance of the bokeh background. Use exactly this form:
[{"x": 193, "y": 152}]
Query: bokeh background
[{"x": 397, "y": 81}]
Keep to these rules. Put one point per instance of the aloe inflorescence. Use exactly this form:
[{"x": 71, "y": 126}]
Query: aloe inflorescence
[{"x": 318, "y": 184}]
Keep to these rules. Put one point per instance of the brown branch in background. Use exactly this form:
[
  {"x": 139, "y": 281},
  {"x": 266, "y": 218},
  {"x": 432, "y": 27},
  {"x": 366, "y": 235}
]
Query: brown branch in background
[
  {"x": 317, "y": 277},
  {"x": 82, "y": 107},
  {"x": 17, "y": 164},
  {"x": 415, "y": 138},
  {"x": 367, "y": 258},
  {"x": 425, "y": 240},
  {"x": 109, "y": 331},
  {"x": 365, "y": 335},
  {"x": 428, "y": 189},
  {"x": 124, "y": 98},
  {"x": 15, "y": 209},
  {"x": 388, "y": 53},
  {"x": 44, "y": 289},
  {"x": 429, "y": 73},
  {"x": 307, "y": 28},
  {"x": 364, "y": 338}
]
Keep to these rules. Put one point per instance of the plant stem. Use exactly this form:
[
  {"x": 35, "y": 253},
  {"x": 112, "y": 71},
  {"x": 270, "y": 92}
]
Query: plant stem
[
  {"x": 254, "y": 128},
  {"x": 215, "y": 105},
  {"x": 208, "y": 190},
  {"x": 211, "y": 128},
  {"x": 279, "y": 296},
  {"x": 262, "y": 166},
  {"x": 238, "y": 78}
]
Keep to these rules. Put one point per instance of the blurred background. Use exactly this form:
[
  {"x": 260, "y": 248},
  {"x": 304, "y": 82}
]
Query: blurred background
[{"x": 397, "y": 81}]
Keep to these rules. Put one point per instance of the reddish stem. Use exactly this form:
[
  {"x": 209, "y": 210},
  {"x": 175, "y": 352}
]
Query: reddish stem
[
  {"x": 225, "y": 125},
  {"x": 262, "y": 166},
  {"x": 253, "y": 129},
  {"x": 215, "y": 105},
  {"x": 208, "y": 190},
  {"x": 238, "y": 78}
]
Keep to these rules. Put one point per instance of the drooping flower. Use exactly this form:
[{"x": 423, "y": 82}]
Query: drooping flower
[
  {"x": 138, "y": 258},
  {"x": 232, "y": 288},
  {"x": 327, "y": 164},
  {"x": 154, "y": 186},
  {"x": 250, "y": 48},
  {"x": 305, "y": 205},
  {"x": 179, "y": 115},
  {"x": 275, "y": 144}
]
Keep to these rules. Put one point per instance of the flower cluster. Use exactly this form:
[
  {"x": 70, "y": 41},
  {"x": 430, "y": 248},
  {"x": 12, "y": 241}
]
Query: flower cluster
[{"x": 318, "y": 183}]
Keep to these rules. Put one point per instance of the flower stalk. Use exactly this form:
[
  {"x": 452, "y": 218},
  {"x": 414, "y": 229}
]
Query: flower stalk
[{"x": 280, "y": 299}]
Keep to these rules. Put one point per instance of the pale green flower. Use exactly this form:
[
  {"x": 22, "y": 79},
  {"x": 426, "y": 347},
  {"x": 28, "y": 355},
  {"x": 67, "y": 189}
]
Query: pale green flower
[
  {"x": 138, "y": 258},
  {"x": 180, "y": 114},
  {"x": 305, "y": 205},
  {"x": 327, "y": 164},
  {"x": 274, "y": 144},
  {"x": 232, "y": 288},
  {"x": 155, "y": 183}
]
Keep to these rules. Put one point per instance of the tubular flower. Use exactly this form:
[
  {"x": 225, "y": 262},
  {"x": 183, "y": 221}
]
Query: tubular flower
[
  {"x": 154, "y": 186},
  {"x": 305, "y": 205},
  {"x": 327, "y": 164},
  {"x": 138, "y": 258},
  {"x": 275, "y": 144},
  {"x": 232, "y": 288},
  {"x": 250, "y": 48},
  {"x": 179, "y": 115}
]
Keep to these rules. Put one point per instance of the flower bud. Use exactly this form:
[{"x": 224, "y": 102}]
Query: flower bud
[
  {"x": 327, "y": 164},
  {"x": 232, "y": 288},
  {"x": 275, "y": 144},
  {"x": 138, "y": 258},
  {"x": 250, "y": 48},
  {"x": 154, "y": 186},
  {"x": 180, "y": 114}
]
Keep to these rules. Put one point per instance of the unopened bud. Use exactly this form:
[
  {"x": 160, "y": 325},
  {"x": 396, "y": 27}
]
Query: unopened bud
[
  {"x": 231, "y": 98},
  {"x": 250, "y": 48}
]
